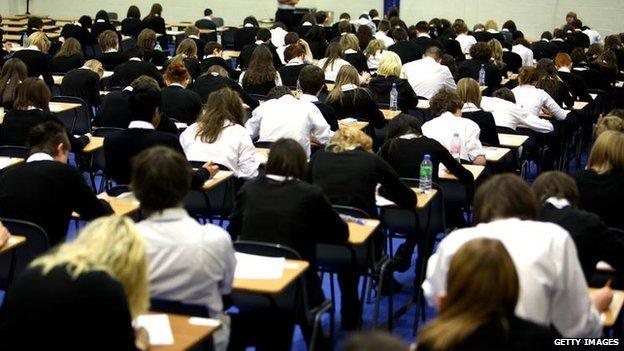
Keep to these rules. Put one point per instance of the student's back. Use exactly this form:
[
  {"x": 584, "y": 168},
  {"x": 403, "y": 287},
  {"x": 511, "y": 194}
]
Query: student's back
[
  {"x": 125, "y": 73},
  {"x": 212, "y": 82},
  {"x": 82, "y": 83},
  {"x": 64, "y": 64}
]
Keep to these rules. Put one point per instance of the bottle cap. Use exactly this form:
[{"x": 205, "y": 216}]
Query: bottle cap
[{"x": 427, "y": 157}]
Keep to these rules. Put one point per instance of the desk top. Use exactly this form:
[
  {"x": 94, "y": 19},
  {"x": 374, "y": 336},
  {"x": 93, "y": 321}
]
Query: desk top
[
  {"x": 14, "y": 242},
  {"x": 495, "y": 154},
  {"x": 185, "y": 334},
  {"x": 292, "y": 270},
  {"x": 513, "y": 141},
  {"x": 12, "y": 37},
  {"x": 579, "y": 105},
  {"x": 121, "y": 205},
  {"x": 474, "y": 169},
  {"x": 231, "y": 53},
  {"x": 219, "y": 178},
  {"x": 9, "y": 161},
  {"x": 423, "y": 199},
  {"x": 95, "y": 143},
  {"x": 356, "y": 124},
  {"x": 423, "y": 104},
  {"x": 359, "y": 233},
  {"x": 389, "y": 114},
  {"x": 7, "y": 29},
  {"x": 57, "y": 107},
  {"x": 609, "y": 316}
]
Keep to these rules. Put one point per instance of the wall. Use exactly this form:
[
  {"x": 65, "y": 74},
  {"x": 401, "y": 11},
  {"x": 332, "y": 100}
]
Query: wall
[{"x": 532, "y": 16}]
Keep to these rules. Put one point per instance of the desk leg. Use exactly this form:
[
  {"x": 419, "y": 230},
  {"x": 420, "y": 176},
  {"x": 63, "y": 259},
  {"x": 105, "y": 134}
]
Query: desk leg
[
  {"x": 11, "y": 270},
  {"x": 421, "y": 271}
]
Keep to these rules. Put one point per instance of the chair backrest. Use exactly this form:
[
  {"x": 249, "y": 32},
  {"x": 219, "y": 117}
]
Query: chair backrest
[
  {"x": 98, "y": 160},
  {"x": 118, "y": 189},
  {"x": 218, "y": 21},
  {"x": 77, "y": 121},
  {"x": 36, "y": 244},
  {"x": 177, "y": 307},
  {"x": 351, "y": 211},
  {"x": 227, "y": 39},
  {"x": 14, "y": 151}
]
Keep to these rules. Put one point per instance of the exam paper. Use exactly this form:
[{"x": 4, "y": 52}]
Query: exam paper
[
  {"x": 258, "y": 267},
  {"x": 158, "y": 328}
]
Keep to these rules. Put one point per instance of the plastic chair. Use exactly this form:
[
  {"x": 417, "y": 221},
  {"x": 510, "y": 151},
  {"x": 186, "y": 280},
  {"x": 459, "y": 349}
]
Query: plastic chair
[
  {"x": 97, "y": 163},
  {"x": 78, "y": 120},
  {"x": 14, "y": 151}
]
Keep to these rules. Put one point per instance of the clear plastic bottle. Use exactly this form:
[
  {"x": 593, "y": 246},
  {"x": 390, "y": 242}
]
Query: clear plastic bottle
[
  {"x": 394, "y": 98},
  {"x": 426, "y": 168},
  {"x": 24, "y": 39},
  {"x": 157, "y": 47},
  {"x": 456, "y": 147},
  {"x": 482, "y": 75}
]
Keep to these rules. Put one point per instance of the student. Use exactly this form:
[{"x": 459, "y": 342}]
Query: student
[
  {"x": 311, "y": 83},
  {"x": 351, "y": 100},
  {"x": 219, "y": 135},
  {"x": 334, "y": 60},
  {"x": 559, "y": 198},
  {"x": 84, "y": 83},
  {"x": 68, "y": 57},
  {"x": 317, "y": 41},
  {"x": 491, "y": 27},
  {"x": 95, "y": 285},
  {"x": 187, "y": 52},
  {"x": 388, "y": 76},
  {"x": 544, "y": 48},
  {"x": 271, "y": 208},
  {"x": 13, "y": 73},
  {"x": 554, "y": 290},
  {"x": 465, "y": 40},
  {"x": 207, "y": 23},
  {"x": 382, "y": 33},
  {"x": 78, "y": 30},
  {"x": 177, "y": 101},
  {"x": 135, "y": 67},
  {"x": 294, "y": 56},
  {"x": 423, "y": 40},
  {"x": 188, "y": 262},
  {"x": 132, "y": 24},
  {"x": 193, "y": 33},
  {"x": 263, "y": 37},
  {"x": 351, "y": 47},
  {"x": 35, "y": 57},
  {"x": 156, "y": 23},
  {"x": 522, "y": 47},
  {"x": 609, "y": 122},
  {"x": 122, "y": 146},
  {"x": 427, "y": 76},
  {"x": 344, "y": 18},
  {"x": 470, "y": 95},
  {"x": 498, "y": 59},
  {"x": 34, "y": 25},
  {"x": 533, "y": 99},
  {"x": 308, "y": 21},
  {"x": 602, "y": 181},
  {"x": 261, "y": 76},
  {"x": 480, "y": 57},
  {"x": 403, "y": 47},
  {"x": 446, "y": 108},
  {"x": 575, "y": 83},
  {"x": 550, "y": 82},
  {"x": 46, "y": 172},
  {"x": 246, "y": 35},
  {"x": 559, "y": 41},
  {"x": 146, "y": 43},
  {"x": 284, "y": 116},
  {"x": 373, "y": 53},
  {"x": 217, "y": 78},
  {"x": 32, "y": 107},
  {"x": 373, "y": 341},
  {"x": 477, "y": 309},
  {"x": 213, "y": 55},
  {"x": 110, "y": 56},
  {"x": 508, "y": 116},
  {"x": 101, "y": 24}
]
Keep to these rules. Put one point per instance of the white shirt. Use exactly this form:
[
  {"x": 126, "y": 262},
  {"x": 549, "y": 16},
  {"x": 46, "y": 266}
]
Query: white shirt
[
  {"x": 278, "y": 79},
  {"x": 233, "y": 149},
  {"x": 443, "y": 127},
  {"x": 288, "y": 117},
  {"x": 525, "y": 53},
  {"x": 466, "y": 42},
  {"x": 39, "y": 156},
  {"x": 189, "y": 262},
  {"x": 280, "y": 52},
  {"x": 277, "y": 36},
  {"x": 507, "y": 114},
  {"x": 594, "y": 36},
  {"x": 383, "y": 36},
  {"x": 332, "y": 70},
  {"x": 533, "y": 99},
  {"x": 140, "y": 125},
  {"x": 373, "y": 61},
  {"x": 552, "y": 285},
  {"x": 427, "y": 77}
]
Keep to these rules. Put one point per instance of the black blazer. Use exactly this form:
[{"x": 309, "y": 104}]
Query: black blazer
[
  {"x": 563, "y": 46},
  {"x": 181, "y": 104},
  {"x": 77, "y": 32},
  {"x": 357, "y": 60},
  {"x": 244, "y": 36},
  {"x": 470, "y": 69},
  {"x": 125, "y": 73},
  {"x": 512, "y": 60},
  {"x": 98, "y": 28},
  {"x": 544, "y": 49},
  {"x": 483, "y": 36},
  {"x": 329, "y": 114},
  {"x": 200, "y": 46},
  {"x": 318, "y": 49},
  {"x": 380, "y": 88},
  {"x": 193, "y": 66},
  {"x": 592, "y": 77},
  {"x": 245, "y": 56},
  {"x": 131, "y": 26},
  {"x": 421, "y": 44},
  {"x": 38, "y": 64},
  {"x": 157, "y": 24},
  {"x": 407, "y": 51},
  {"x": 350, "y": 178},
  {"x": 158, "y": 58},
  {"x": 207, "y": 24},
  {"x": 82, "y": 83},
  {"x": 219, "y": 61},
  {"x": 22, "y": 187},
  {"x": 209, "y": 83},
  {"x": 599, "y": 194},
  {"x": 576, "y": 85},
  {"x": 453, "y": 48},
  {"x": 110, "y": 60},
  {"x": 290, "y": 74},
  {"x": 94, "y": 305},
  {"x": 358, "y": 104},
  {"x": 485, "y": 120},
  {"x": 64, "y": 64},
  {"x": 291, "y": 213}
]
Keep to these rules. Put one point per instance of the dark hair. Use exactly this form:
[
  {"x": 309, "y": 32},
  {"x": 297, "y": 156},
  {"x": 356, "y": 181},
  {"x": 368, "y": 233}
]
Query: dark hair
[
  {"x": 393, "y": 12},
  {"x": 528, "y": 75},
  {"x": 399, "y": 34},
  {"x": 344, "y": 27},
  {"x": 321, "y": 17},
  {"x": 291, "y": 38},
  {"x": 546, "y": 35},
  {"x": 308, "y": 17},
  {"x": 523, "y": 42},
  {"x": 107, "y": 40},
  {"x": 510, "y": 26},
  {"x": 102, "y": 15},
  {"x": 505, "y": 196},
  {"x": 70, "y": 47},
  {"x": 374, "y": 341},
  {"x": 133, "y": 12},
  {"x": 505, "y": 94},
  {"x": 578, "y": 55},
  {"x": 161, "y": 178},
  {"x": 207, "y": 12},
  {"x": 278, "y": 24},
  {"x": 191, "y": 30},
  {"x": 422, "y": 27},
  {"x": 434, "y": 52},
  {"x": 401, "y": 125},
  {"x": 412, "y": 32},
  {"x": 155, "y": 10},
  {"x": 13, "y": 72},
  {"x": 449, "y": 61},
  {"x": 345, "y": 15},
  {"x": 85, "y": 21},
  {"x": 287, "y": 158},
  {"x": 481, "y": 51},
  {"x": 263, "y": 34},
  {"x": 32, "y": 92},
  {"x": 364, "y": 35},
  {"x": 332, "y": 53},
  {"x": 35, "y": 22},
  {"x": 556, "y": 184},
  {"x": 311, "y": 79},
  {"x": 144, "y": 101},
  {"x": 251, "y": 20},
  {"x": 316, "y": 34},
  {"x": 211, "y": 46},
  {"x": 445, "y": 100},
  {"x": 278, "y": 91},
  {"x": 222, "y": 105},
  {"x": 373, "y": 13},
  {"x": 260, "y": 68},
  {"x": 46, "y": 136},
  {"x": 292, "y": 51},
  {"x": 384, "y": 25}
]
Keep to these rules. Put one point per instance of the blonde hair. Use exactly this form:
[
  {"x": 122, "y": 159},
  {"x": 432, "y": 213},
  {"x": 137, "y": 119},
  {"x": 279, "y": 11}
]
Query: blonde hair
[
  {"x": 390, "y": 65},
  {"x": 109, "y": 244},
  {"x": 497, "y": 52},
  {"x": 348, "y": 138},
  {"x": 373, "y": 47},
  {"x": 607, "y": 153},
  {"x": 40, "y": 40},
  {"x": 469, "y": 91},
  {"x": 350, "y": 41},
  {"x": 609, "y": 122},
  {"x": 491, "y": 24},
  {"x": 95, "y": 66}
]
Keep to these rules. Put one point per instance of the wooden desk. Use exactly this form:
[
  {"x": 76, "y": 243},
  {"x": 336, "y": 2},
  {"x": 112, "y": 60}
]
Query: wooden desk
[
  {"x": 495, "y": 154},
  {"x": 219, "y": 178},
  {"x": 107, "y": 74},
  {"x": 513, "y": 141},
  {"x": 121, "y": 205},
  {"x": 292, "y": 270},
  {"x": 474, "y": 169},
  {"x": 12, "y": 38},
  {"x": 359, "y": 233},
  {"x": 609, "y": 317},
  {"x": 389, "y": 114},
  {"x": 423, "y": 104},
  {"x": 423, "y": 199},
  {"x": 50, "y": 28},
  {"x": 53, "y": 35},
  {"x": 57, "y": 107},
  {"x": 357, "y": 124},
  {"x": 579, "y": 105},
  {"x": 207, "y": 31},
  {"x": 185, "y": 335},
  {"x": 231, "y": 53},
  {"x": 9, "y": 161},
  {"x": 15, "y": 23},
  {"x": 14, "y": 242},
  {"x": 13, "y": 29},
  {"x": 95, "y": 143},
  {"x": 174, "y": 33}
]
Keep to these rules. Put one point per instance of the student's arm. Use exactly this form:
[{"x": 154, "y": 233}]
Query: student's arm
[
  {"x": 247, "y": 162},
  {"x": 392, "y": 187},
  {"x": 84, "y": 201},
  {"x": 320, "y": 129},
  {"x": 552, "y": 106},
  {"x": 463, "y": 175},
  {"x": 236, "y": 217},
  {"x": 489, "y": 132},
  {"x": 253, "y": 124},
  {"x": 375, "y": 117},
  {"x": 331, "y": 229},
  {"x": 447, "y": 79},
  {"x": 530, "y": 120},
  {"x": 473, "y": 146}
]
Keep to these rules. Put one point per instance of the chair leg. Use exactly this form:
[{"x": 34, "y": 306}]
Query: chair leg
[{"x": 382, "y": 272}]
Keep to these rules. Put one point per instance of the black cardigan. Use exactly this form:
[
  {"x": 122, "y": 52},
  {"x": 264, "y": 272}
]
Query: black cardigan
[
  {"x": 82, "y": 83},
  {"x": 601, "y": 194},
  {"x": 181, "y": 104},
  {"x": 290, "y": 74},
  {"x": 64, "y": 64},
  {"x": 485, "y": 121},
  {"x": 357, "y": 60},
  {"x": 125, "y": 73},
  {"x": 37, "y": 63},
  {"x": 470, "y": 69},
  {"x": 131, "y": 26},
  {"x": 380, "y": 88},
  {"x": 110, "y": 60},
  {"x": 209, "y": 83},
  {"x": 359, "y": 104}
]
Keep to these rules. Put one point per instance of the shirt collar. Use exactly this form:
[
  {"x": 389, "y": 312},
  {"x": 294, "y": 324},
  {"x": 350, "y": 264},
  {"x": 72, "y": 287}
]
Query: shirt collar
[
  {"x": 33, "y": 47},
  {"x": 308, "y": 98},
  {"x": 294, "y": 62},
  {"x": 31, "y": 107},
  {"x": 470, "y": 107},
  {"x": 248, "y": 25},
  {"x": 259, "y": 42},
  {"x": 110, "y": 50},
  {"x": 135, "y": 59},
  {"x": 420, "y": 35},
  {"x": 100, "y": 21},
  {"x": 193, "y": 36},
  {"x": 347, "y": 87},
  {"x": 168, "y": 214},
  {"x": 278, "y": 178},
  {"x": 447, "y": 115},
  {"x": 140, "y": 125},
  {"x": 564, "y": 69},
  {"x": 177, "y": 85},
  {"x": 208, "y": 18},
  {"x": 128, "y": 88},
  {"x": 558, "y": 202},
  {"x": 306, "y": 24},
  {"x": 409, "y": 136},
  {"x": 39, "y": 156},
  {"x": 350, "y": 51}
]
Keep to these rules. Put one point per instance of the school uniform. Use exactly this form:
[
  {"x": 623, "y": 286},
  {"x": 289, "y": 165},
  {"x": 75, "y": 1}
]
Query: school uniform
[
  {"x": 427, "y": 77},
  {"x": 471, "y": 68},
  {"x": 598, "y": 192},
  {"x": 111, "y": 59},
  {"x": 482, "y": 36},
  {"x": 327, "y": 111},
  {"x": 358, "y": 103},
  {"x": 181, "y": 104},
  {"x": 407, "y": 51},
  {"x": 288, "y": 117},
  {"x": 466, "y": 42},
  {"x": 575, "y": 83},
  {"x": 211, "y": 82},
  {"x": 373, "y": 61},
  {"x": 78, "y": 32},
  {"x": 443, "y": 127},
  {"x": 260, "y": 88},
  {"x": 99, "y": 26},
  {"x": 525, "y": 53},
  {"x": 331, "y": 71},
  {"x": 513, "y": 61},
  {"x": 211, "y": 60},
  {"x": 318, "y": 49},
  {"x": 509, "y": 115},
  {"x": 592, "y": 77},
  {"x": 38, "y": 63},
  {"x": 157, "y": 24},
  {"x": 199, "y": 43},
  {"x": 357, "y": 60},
  {"x": 485, "y": 121},
  {"x": 290, "y": 72},
  {"x": 562, "y": 45},
  {"x": 22, "y": 188},
  {"x": 422, "y": 42},
  {"x": 383, "y": 36},
  {"x": 380, "y": 88},
  {"x": 125, "y": 73},
  {"x": 544, "y": 49},
  {"x": 192, "y": 65},
  {"x": 131, "y": 26},
  {"x": 82, "y": 83},
  {"x": 64, "y": 64},
  {"x": 244, "y": 36},
  {"x": 534, "y": 99},
  {"x": 244, "y": 58},
  {"x": 207, "y": 23},
  {"x": 558, "y": 90}
]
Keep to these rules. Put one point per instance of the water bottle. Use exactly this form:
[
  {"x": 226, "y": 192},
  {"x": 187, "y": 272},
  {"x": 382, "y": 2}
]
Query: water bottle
[
  {"x": 426, "y": 169},
  {"x": 482, "y": 75},
  {"x": 456, "y": 147},
  {"x": 394, "y": 98},
  {"x": 24, "y": 39},
  {"x": 157, "y": 47}
]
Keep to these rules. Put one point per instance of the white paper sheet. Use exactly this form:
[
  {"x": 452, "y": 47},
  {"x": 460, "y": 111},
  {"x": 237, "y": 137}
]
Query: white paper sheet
[
  {"x": 381, "y": 201},
  {"x": 5, "y": 161},
  {"x": 348, "y": 120},
  {"x": 207, "y": 322},
  {"x": 158, "y": 328},
  {"x": 258, "y": 267}
]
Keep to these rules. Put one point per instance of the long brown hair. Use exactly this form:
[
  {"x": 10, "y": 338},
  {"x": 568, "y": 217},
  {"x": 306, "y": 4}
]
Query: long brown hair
[
  {"x": 146, "y": 40},
  {"x": 222, "y": 105},
  {"x": 33, "y": 92},
  {"x": 155, "y": 10},
  {"x": 333, "y": 53},
  {"x": 70, "y": 47},
  {"x": 13, "y": 72},
  {"x": 347, "y": 74},
  {"x": 482, "y": 286},
  {"x": 260, "y": 68}
]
